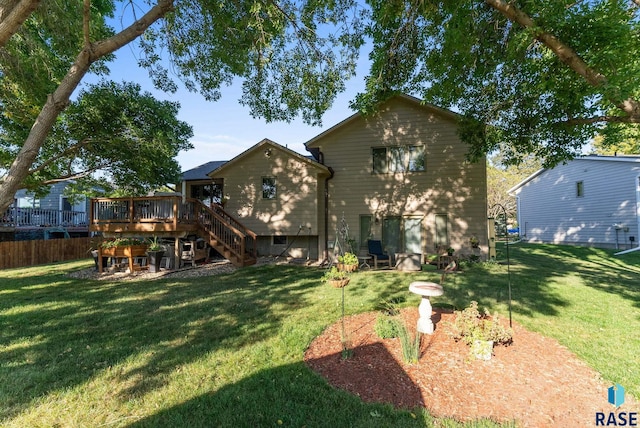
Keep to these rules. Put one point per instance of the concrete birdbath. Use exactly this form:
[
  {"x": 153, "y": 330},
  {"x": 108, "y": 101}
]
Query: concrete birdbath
[{"x": 426, "y": 290}]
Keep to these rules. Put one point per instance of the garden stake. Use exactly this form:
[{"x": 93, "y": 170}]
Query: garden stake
[{"x": 506, "y": 241}]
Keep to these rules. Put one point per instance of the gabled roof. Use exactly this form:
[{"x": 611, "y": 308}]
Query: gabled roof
[
  {"x": 264, "y": 145},
  {"x": 413, "y": 100},
  {"x": 596, "y": 158},
  {"x": 200, "y": 172}
]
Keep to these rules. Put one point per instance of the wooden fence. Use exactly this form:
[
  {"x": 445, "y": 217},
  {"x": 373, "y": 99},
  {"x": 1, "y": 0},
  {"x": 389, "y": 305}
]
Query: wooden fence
[{"x": 15, "y": 254}]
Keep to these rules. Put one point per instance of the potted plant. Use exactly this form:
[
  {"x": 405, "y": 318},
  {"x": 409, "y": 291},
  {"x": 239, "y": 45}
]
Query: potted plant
[
  {"x": 348, "y": 262},
  {"x": 450, "y": 251},
  {"x": 475, "y": 243},
  {"x": 336, "y": 277},
  {"x": 480, "y": 331},
  {"x": 155, "y": 251}
]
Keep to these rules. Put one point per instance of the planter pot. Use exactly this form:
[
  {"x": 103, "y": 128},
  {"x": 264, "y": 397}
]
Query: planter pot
[
  {"x": 339, "y": 283},
  {"x": 127, "y": 251},
  {"x": 347, "y": 268},
  {"x": 482, "y": 349},
  {"x": 155, "y": 257}
]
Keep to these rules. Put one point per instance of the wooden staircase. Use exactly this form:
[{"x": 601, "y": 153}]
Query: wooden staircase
[
  {"x": 171, "y": 216},
  {"x": 227, "y": 235}
]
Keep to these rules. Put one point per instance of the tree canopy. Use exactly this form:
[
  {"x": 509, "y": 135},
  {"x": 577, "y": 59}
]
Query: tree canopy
[
  {"x": 293, "y": 57},
  {"x": 113, "y": 136},
  {"x": 529, "y": 77}
]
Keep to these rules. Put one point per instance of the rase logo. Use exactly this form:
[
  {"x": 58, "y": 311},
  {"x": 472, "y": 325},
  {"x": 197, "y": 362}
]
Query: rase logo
[
  {"x": 616, "y": 395},
  {"x": 616, "y": 419}
]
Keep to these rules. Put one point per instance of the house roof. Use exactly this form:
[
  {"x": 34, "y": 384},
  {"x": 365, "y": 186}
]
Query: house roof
[
  {"x": 268, "y": 143},
  {"x": 418, "y": 102},
  {"x": 200, "y": 172},
  {"x": 591, "y": 158}
]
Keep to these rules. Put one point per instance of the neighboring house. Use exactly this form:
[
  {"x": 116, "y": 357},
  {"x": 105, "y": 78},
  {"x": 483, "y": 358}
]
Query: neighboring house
[
  {"x": 592, "y": 200},
  {"x": 54, "y": 200},
  {"x": 399, "y": 176},
  {"x": 52, "y": 216}
]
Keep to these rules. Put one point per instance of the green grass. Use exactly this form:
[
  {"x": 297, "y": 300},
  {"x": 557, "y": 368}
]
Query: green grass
[{"x": 228, "y": 350}]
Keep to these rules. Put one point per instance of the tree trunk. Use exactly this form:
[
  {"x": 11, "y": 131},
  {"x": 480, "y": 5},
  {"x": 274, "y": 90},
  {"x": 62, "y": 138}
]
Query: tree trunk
[
  {"x": 12, "y": 14},
  {"x": 59, "y": 100}
]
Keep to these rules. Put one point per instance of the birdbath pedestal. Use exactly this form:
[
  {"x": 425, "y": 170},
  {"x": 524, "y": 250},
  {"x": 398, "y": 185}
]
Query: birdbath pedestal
[{"x": 426, "y": 290}]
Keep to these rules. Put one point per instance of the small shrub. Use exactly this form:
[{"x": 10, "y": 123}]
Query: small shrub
[
  {"x": 387, "y": 327},
  {"x": 347, "y": 348},
  {"x": 470, "y": 325}
]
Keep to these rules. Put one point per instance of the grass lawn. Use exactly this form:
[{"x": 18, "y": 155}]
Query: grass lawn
[{"x": 228, "y": 350}]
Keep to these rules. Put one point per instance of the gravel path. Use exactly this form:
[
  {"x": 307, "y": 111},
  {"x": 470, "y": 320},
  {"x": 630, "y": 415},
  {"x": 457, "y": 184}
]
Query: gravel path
[{"x": 215, "y": 267}]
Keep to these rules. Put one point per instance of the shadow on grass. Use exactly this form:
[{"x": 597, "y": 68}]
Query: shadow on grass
[
  {"x": 61, "y": 332},
  {"x": 289, "y": 395}
]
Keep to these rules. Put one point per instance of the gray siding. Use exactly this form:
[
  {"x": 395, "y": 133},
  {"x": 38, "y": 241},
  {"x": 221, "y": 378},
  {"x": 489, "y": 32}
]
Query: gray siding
[
  {"x": 551, "y": 211},
  {"x": 52, "y": 200}
]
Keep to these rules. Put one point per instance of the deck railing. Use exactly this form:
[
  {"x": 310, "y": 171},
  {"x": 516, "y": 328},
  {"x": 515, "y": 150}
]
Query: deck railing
[
  {"x": 40, "y": 217},
  {"x": 216, "y": 222}
]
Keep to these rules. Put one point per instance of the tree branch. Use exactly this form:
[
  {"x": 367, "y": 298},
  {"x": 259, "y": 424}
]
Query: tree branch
[
  {"x": 600, "y": 119},
  {"x": 66, "y": 178},
  {"x": 13, "y": 13},
  {"x": 76, "y": 175},
  {"x": 86, "y": 19},
  {"x": 69, "y": 150},
  {"x": 565, "y": 53}
]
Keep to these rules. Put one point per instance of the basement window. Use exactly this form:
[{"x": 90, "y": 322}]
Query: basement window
[{"x": 279, "y": 240}]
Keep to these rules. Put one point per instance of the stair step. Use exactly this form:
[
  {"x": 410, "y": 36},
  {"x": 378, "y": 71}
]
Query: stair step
[{"x": 238, "y": 260}]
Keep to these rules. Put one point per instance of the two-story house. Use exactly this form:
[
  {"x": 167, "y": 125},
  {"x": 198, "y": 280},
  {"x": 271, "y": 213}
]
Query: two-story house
[
  {"x": 592, "y": 200},
  {"x": 399, "y": 175}
]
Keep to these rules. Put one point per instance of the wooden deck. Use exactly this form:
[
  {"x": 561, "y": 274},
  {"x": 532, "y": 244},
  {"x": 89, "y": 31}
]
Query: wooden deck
[{"x": 170, "y": 216}]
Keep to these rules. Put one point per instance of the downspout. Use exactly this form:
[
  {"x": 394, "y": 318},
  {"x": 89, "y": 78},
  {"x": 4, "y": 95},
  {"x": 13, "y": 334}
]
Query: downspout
[
  {"x": 326, "y": 215},
  {"x": 320, "y": 156},
  {"x": 631, "y": 250}
]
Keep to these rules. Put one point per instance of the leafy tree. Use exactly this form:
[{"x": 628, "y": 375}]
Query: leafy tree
[
  {"x": 128, "y": 137},
  {"x": 501, "y": 177},
  {"x": 618, "y": 140},
  {"x": 293, "y": 57},
  {"x": 532, "y": 77}
]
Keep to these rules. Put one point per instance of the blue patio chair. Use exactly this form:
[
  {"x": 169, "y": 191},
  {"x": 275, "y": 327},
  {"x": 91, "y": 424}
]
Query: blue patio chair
[{"x": 375, "y": 251}]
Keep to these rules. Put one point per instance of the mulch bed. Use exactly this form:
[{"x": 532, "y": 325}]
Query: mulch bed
[{"x": 534, "y": 381}]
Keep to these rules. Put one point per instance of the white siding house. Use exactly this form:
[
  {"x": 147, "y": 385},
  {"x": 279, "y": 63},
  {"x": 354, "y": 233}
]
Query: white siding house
[{"x": 592, "y": 200}]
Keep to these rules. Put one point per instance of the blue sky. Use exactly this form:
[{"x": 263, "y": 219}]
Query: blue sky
[{"x": 224, "y": 129}]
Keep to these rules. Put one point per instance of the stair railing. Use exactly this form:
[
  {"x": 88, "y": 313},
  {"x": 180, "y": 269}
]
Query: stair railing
[{"x": 221, "y": 226}]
